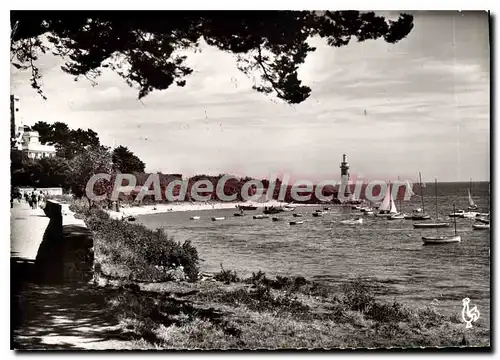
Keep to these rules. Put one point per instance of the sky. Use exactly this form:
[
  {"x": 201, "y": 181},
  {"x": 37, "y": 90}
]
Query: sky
[{"x": 426, "y": 98}]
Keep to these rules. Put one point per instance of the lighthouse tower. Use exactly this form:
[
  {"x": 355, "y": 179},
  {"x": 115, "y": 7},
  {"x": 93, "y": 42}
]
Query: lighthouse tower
[{"x": 344, "y": 173}]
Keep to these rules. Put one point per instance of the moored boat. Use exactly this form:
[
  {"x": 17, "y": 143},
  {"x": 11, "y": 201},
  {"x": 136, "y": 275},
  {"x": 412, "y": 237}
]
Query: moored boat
[
  {"x": 483, "y": 220},
  {"x": 246, "y": 207},
  {"x": 458, "y": 214},
  {"x": 352, "y": 221},
  {"x": 430, "y": 225},
  {"x": 297, "y": 215},
  {"x": 481, "y": 226},
  {"x": 194, "y": 218},
  {"x": 218, "y": 218},
  {"x": 436, "y": 224},
  {"x": 261, "y": 217},
  {"x": 434, "y": 240},
  {"x": 272, "y": 210},
  {"x": 443, "y": 239},
  {"x": 398, "y": 216},
  {"x": 319, "y": 213},
  {"x": 296, "y": 222},
  {"x": 239, "y": 214},
  {"x": 277, "y": 219}
]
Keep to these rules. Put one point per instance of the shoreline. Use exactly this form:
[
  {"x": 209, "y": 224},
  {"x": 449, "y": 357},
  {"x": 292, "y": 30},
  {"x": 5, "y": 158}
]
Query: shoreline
[{"x": 190, "y": 207}]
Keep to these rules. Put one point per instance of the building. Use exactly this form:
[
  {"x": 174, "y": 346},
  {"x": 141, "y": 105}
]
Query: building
[{"x": 25, "y": 140}]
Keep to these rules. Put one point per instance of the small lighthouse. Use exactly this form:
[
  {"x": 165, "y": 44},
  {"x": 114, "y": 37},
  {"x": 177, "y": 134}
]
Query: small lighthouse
[{"x": 344, "y": 173}]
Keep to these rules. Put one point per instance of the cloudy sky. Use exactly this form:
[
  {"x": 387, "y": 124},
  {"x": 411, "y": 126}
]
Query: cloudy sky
[{"x": 426, "y": 100}]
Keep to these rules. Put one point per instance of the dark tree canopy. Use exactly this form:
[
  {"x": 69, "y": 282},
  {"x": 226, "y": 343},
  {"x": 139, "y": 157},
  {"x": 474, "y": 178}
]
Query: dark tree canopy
[
  {"x": 68, "y": 142},
  {"x": 125, "y": 161},
  {"x": 142, "y": 47}
]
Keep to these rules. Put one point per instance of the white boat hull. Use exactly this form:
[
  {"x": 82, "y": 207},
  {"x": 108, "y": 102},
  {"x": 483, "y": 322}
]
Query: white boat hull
[
  {"x": 352, "y": 222},
  {"x": 194, "y": 218},
  {"x": 296, "y": 222},
  {"x": 218, "y": 218},
  {"x": 436, "y": 240},
  {"x": 481, "y": 226},
  {"x": 397, "y": 217}
]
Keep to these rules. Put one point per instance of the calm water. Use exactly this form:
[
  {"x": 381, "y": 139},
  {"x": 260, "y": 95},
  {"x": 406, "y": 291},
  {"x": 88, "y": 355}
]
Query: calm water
[{"x": 387, "y": 251}]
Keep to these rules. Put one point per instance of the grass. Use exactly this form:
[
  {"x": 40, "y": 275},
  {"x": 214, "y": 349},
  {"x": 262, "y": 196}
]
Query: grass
[
  {"x": 258, "y": 312},
  {"x": 216, "y": 315}
]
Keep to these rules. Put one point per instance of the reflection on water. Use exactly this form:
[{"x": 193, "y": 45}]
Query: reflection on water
[{"x": 322, "y": 249}]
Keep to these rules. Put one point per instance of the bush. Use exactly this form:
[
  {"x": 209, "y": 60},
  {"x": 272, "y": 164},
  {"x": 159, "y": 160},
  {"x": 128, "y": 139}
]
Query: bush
[
  {"x": 154, "y": 253},
  {"x": 261, "y": 299},
  {"x": 358, "y": 296},
  {"x": 226, "y": 276}
]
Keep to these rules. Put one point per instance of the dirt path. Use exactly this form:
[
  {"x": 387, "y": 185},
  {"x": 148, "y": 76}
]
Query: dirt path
[{"x": 55, "y": 316}]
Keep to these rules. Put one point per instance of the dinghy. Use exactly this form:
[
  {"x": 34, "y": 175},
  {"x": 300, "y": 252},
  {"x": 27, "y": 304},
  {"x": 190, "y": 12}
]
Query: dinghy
[
  {"x": 297, "y": 215},
  {"x": 194, "y": 218},
  {"x": 239, "y": 214},
  {"x": 319, "y": 213},
  {"x": 443, "y": 239},
  {"x": 261, "y": 217},
  {"x": 296, "y": 222},
  {"x": 352, "y": 221},
  {"x": 481, "y": 226},
  {"x": 218, "y": 218},
  {"x": 277, "y": 219}
]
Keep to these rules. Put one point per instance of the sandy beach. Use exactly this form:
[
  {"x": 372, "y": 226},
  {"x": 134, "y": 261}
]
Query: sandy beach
[{"x": 187, "y": 206}]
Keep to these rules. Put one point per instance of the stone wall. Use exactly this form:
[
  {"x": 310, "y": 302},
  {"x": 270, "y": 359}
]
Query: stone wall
[{"x": 66, "y": 253}]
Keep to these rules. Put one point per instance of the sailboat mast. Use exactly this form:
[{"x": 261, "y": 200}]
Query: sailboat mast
[
  {"x": 436, "y": 192},
  {"x": 455, "y": 220},
  {"x": 422, "y": 191}
]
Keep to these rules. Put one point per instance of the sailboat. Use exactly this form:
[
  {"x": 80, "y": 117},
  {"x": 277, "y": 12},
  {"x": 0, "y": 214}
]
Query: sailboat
[
  {"x": 443, "y": 239},
  {"x": 472, "y": 205},
  {"x": 437, "y": 224},
  {"x": 398, "y": 216},
  {"x": 388, "y": 207},
  {"x": 419, "y": 214}
]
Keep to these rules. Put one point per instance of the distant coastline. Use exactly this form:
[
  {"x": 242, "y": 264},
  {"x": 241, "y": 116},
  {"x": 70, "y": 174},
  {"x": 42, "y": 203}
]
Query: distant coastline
[{"x": 186, "y": 206}]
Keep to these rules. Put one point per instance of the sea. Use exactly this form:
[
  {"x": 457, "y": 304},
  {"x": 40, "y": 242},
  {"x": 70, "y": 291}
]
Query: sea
[{"x": 388, "y": 253}]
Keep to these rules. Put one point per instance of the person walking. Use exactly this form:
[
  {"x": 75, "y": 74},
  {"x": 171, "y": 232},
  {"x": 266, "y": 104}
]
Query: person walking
[{"x": 33, "y": 200}]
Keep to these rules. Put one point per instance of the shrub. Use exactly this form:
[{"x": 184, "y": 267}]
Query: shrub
[
  {"x": 155, "y": 254},
  {"x": 358, "y": 296},
  {"x": 226, "y": 276},
  {"x": 261, "y": 299}
]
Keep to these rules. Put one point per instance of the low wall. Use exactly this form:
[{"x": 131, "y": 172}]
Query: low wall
[
  {"x": 66, "y": 253},
  {"x": 49, "y": 191}
]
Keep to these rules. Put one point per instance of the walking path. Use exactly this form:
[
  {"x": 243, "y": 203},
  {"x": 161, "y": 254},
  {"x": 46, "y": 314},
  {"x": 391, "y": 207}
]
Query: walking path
[
  {"x": 72, "y": 317},
  {"x": 27, "y": 227}
]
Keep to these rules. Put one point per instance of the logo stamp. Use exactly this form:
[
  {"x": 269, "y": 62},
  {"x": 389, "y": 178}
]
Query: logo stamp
[{"x": 469, "y": 315}]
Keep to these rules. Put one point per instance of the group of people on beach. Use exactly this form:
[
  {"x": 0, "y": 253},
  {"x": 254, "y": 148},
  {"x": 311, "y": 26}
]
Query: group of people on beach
[{"x": 35, "y": 198}]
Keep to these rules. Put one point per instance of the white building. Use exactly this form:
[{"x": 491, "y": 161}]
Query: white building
[
  {"x": 27, "y": 141},
  {"x": 31, "y": 146}
]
